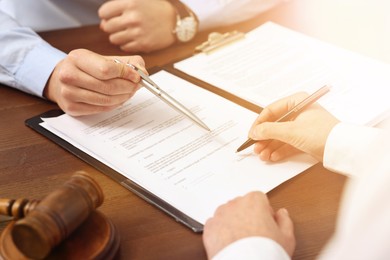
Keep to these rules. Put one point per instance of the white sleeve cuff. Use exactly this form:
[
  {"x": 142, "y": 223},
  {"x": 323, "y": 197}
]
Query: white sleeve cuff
[
  {"x": 253, "y": 248},
  {"x": 346, "y": 147}
]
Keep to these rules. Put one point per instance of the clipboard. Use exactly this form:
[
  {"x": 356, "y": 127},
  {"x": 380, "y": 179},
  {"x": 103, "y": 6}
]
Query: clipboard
[
  {"x": 219, "y": 40},
  {"x": 149, "y": 197},
  {"x": 195, "y": 226},
  {"x": 213, "y": 89},
  {"x": 182, "y": 216},
  {"x": 179, "y": 216},
  {"x": 290, "y": 62}
]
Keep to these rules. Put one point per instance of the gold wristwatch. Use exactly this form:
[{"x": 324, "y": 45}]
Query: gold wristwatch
[{"x": 186, "y": 22}]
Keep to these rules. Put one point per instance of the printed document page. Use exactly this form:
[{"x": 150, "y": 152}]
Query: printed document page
[
  {"x": 164, "y": 152},
  {"x": 272, "y": 62}
]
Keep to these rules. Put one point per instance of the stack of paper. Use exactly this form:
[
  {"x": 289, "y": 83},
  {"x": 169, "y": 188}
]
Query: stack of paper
[{"x": 273, "y": 62}]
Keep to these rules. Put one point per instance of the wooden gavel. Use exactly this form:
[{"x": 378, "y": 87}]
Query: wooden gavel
[{"x": 41, "y": 225}]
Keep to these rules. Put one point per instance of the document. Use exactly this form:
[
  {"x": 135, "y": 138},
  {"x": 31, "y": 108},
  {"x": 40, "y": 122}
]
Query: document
[
  {"x": 272, "y": 62},
  {"x": 192, "y": 169}
]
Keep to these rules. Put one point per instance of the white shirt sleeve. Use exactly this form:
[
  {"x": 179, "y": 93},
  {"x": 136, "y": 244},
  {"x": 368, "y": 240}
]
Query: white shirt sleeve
[
  {"x": 363, "y": 226},
  {"x": 347, "y": 146},
  {"x": 253, "y": 248},
  {"x": 26, "y": 60},
  {"x": 214, "y": 13}
]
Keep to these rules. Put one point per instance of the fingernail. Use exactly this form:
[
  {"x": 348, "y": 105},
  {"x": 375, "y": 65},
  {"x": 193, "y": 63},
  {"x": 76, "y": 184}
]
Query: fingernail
[
  {"x": 274, "y": 157},
  {"x": 252, "y": 134}
]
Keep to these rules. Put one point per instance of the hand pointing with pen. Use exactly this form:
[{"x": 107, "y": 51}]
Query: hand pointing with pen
[
  {"x": 307, "y": 132},
  {"x": 88, "y": 83}
]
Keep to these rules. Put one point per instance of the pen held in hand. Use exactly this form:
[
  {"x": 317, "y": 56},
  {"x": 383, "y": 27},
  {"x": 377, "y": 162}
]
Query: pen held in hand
[
  {"x": 161, "y": 94},
  {"x": 293, "y": 112}
]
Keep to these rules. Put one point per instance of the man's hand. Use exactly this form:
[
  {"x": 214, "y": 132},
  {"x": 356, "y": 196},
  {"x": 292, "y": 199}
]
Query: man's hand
[
  {"x": 308, "y": 132},
  {"x": 87, "y": 83},
  {"x": 139, "y": 25},
  {"x": 248, "y": 216}
]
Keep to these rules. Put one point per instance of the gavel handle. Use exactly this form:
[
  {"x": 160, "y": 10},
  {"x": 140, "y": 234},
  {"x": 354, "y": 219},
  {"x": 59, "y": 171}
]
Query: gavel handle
[{"x": 18, "y": 208}]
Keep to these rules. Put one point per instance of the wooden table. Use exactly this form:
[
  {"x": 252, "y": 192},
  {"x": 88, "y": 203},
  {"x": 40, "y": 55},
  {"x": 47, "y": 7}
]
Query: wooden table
[{"x": 31, "y": 166}]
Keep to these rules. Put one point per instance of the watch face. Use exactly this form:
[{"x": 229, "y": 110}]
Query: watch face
[{"x": 186, "y": 29}]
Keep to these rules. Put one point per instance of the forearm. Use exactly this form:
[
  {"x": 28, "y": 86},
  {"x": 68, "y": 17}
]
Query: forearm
[{"x": 26, "y": 60}]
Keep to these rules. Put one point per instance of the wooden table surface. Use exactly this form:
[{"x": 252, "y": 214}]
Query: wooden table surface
[{"x": 32, "y": 166}]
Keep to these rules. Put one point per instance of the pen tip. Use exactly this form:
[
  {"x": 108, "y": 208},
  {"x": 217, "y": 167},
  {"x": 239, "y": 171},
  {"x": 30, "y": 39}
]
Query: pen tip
[{"x": 206, "y": 127}]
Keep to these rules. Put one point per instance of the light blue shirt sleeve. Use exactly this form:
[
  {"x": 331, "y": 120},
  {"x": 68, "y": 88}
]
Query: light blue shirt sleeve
[
  {"x": 26, "y": 60},
  {"x": 253, "y": 248}
]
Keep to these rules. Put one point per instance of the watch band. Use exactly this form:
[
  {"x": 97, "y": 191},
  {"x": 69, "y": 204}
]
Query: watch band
[{"x": 182, "y": 9}]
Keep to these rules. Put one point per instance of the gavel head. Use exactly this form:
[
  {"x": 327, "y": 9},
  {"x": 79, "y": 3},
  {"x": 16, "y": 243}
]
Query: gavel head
[{"x": 57, "y": 216}]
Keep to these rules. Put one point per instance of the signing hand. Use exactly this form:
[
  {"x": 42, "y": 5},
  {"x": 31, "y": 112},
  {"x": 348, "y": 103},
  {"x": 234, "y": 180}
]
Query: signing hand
[
  {"x": 248, "y": 216},
  {"x": 87, "y": 83},
  {"x": 139, "y": 25},
  {"x": 307, "y": 132}
]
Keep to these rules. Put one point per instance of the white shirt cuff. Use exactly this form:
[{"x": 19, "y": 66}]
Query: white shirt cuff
[
  {"x": 253, "y": 248},
  {"x": 346, "y": 146}
]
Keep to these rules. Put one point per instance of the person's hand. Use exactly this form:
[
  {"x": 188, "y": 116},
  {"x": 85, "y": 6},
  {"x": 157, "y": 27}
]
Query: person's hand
[
  {"x": 308, "y": 132},
  {"x": 139, "y": 25},
  {"x": 248, "y": 216},
  {"x": 87, "y": 83}
]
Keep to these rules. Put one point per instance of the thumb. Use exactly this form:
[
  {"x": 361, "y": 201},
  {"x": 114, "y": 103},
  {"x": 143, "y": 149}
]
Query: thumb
[
  {"x": 286, "y": 227},
  {"x": 125, "y": 71},
  {"x": 284, "y": 222},
  {"x": 272, "y": 131}
]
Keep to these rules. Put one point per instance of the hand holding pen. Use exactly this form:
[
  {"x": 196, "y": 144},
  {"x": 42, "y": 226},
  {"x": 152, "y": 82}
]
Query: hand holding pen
[
  {"x": 85, "y": 82},
  {"x": 282, "y": 130}
]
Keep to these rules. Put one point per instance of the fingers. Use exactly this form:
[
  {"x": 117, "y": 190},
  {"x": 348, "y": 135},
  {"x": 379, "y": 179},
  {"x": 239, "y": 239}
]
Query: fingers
[
  {"x": 278, "y": 140},
  {"x": 108, "y": 87},
  {"x": 237, "y": 219},
  {"x": 111, "y": 9},
  {"x": 82, "y": 95},
  {"x": 113, "y": 25},
  {"x": 139, "y": 26},
  {"x": 120, "y": 37},
  {"x": 136, "y": 46},
  {"x": 281, "y": 131},
  {"x": 274, "y": 151},
  {"x": 137, "y": 61},
  {"x": 88, "y": 83},
  {"x": 280, "y": 107},
  {"x": 101, "y": 67},
  {"x": 118, "y": 16},
  {"x": 132, "y": 40},
  {"x": 261, "y": 130},
  {"x": 111, "y": 85},
  {"x": 284, "y": 221},
  {"x": 81, "y": 109}
]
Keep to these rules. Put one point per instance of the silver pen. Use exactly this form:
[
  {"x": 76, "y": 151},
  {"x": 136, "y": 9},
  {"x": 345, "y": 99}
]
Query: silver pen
[{"x": 161, "y": 94}]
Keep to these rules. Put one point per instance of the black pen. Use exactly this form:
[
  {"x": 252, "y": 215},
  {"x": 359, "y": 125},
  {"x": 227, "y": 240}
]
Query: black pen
[{"x": 293, "y": 112}]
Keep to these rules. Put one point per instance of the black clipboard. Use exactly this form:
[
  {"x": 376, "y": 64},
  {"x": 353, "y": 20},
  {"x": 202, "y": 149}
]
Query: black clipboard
[
  {"x": 151, "y": 198},
  {"x": 179, "y": 216}
]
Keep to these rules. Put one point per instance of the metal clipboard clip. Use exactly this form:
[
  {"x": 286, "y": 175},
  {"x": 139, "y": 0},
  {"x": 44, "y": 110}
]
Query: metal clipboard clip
[{"x": 218, "y": 40}]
